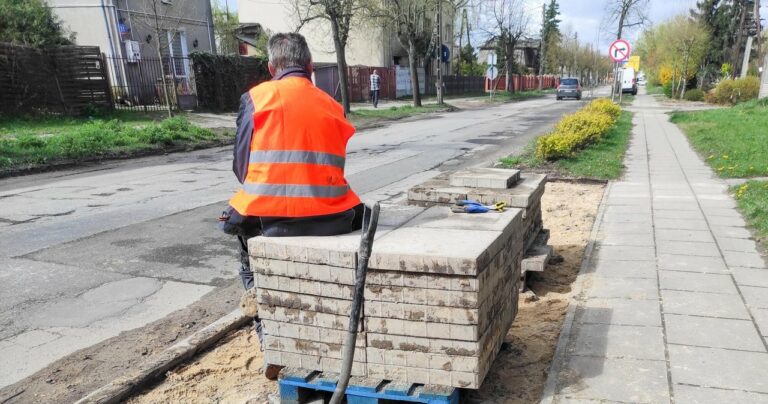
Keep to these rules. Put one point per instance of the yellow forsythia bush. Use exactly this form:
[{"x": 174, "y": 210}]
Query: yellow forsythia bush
[
  {"x": 605, "y": 105},
  {"x": 576, "y": 130}
]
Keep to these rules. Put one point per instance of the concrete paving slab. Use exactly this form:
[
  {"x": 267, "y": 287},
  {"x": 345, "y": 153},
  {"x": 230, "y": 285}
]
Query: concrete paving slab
[
  {"x": 744, "y": 259},
  {"x": 678, "y": 214},
  {"x": 485, "y": 178},
  {"x": 704, "y": 304},
  {"x": 701, "y": 236},
  {"x": 719, "y": 368},
  {"x": 750, "y": 276},
  {"x": 623, "y": 269},
  {"x": 697, "y": 282},
  {"x": 620, "y": 311},
  {"x": 761, "y": 319},
  {"x": 625, "y": 253},
  {"x": 731, "y": 231},
  {"x": 681, "y": 224},
  {"x": 626, "y": 217},
  {"x": 705, "y": 395},
  {"x": 619, "y": 238},
  {"x": 688, "y": 248},
  {"x": 612, "y": 287},
  {"x": 756, "y": 297},
  {"x": 618, "y": 341},
  {"x": 622, "y": 380},
  {"x": 732, "y": 221},
  {"x": 691, "y": 263},
  {"x": 713, "y": 332},
  {"x": 737, "y": 244}
]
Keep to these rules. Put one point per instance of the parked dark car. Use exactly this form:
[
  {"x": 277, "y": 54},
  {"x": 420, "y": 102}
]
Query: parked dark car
[{"x": 569, "y": 88}]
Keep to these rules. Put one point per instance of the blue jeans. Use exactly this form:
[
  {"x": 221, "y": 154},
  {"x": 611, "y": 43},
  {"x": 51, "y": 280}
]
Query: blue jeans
[{"x": 375, "y": 98}]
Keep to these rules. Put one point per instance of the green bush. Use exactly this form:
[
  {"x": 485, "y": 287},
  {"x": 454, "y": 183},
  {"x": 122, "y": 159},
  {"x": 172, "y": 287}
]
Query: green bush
[
  {"x": 730, "y": 91},
  {"x": 577, "y": 130},
  {"x": 667, "y": 89},
  {"x": 694, "y": 94}
]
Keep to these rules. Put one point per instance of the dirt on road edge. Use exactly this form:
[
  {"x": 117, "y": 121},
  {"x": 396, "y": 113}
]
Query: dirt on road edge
[{"x": 230, "y": 372}]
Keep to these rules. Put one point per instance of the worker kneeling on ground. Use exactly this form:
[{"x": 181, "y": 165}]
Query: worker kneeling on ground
[{"x": 289, "y": 157}]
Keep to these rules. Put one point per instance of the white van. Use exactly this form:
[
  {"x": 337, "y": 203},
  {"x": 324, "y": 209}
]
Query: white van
[{"x": 628, "y": 81}]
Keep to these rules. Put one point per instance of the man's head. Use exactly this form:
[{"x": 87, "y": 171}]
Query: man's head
[
  {"x": 376, "y": 72},
  {"x": 288, "y": 50}
]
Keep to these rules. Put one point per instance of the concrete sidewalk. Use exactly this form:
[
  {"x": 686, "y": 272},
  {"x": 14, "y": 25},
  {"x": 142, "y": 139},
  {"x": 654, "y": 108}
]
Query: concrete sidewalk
[{"x": 674, "y": 299}]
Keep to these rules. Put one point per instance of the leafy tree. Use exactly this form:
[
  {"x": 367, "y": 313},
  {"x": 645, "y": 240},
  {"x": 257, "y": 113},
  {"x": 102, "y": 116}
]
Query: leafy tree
[
  {"x": 719, "y": 18},
  {"x": 224, "y": 25},
  {"x": 31, "y": 23}
]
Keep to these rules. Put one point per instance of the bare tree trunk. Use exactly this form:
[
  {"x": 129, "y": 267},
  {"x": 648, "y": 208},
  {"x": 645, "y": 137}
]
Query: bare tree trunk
[
  {"x": 341, "y": 62},
  {"x": 510, "y": 66},
  {"x": 159, "y": 32},
  {"x": 684, "y": 75},
  {"x": 414, "y": 73}
]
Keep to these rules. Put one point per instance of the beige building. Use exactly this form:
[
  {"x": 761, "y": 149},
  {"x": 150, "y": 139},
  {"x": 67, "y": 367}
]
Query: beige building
[{"x": 368, "y": 45}]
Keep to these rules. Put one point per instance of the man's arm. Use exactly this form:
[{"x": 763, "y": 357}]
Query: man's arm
[{"x": 242, "y": 149}]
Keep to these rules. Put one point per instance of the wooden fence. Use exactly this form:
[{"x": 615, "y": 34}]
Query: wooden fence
[{"x": 63, "y": 79}]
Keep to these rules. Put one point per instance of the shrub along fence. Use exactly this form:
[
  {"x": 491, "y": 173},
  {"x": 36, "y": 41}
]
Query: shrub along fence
[
  {"x": 62, "y": 79},
  {"x": 221, "y": 80}
]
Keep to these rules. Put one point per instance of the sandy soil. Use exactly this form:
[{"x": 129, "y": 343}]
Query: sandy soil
[{"x": 230, "y": 372}]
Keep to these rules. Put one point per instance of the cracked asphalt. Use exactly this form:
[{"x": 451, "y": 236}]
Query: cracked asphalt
[{"x": 89, "y": 253}]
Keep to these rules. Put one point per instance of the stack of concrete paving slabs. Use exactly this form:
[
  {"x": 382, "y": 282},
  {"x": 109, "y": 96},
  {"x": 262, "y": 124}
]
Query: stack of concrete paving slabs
[
  {"x": 441, "y": 294},
  {"x": 489, "y": 186},
  {"x": 304, "y": 290}
]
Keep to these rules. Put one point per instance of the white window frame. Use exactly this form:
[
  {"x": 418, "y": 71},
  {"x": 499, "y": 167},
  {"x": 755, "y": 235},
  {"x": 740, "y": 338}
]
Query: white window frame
[{"x": 184, "y": 53}]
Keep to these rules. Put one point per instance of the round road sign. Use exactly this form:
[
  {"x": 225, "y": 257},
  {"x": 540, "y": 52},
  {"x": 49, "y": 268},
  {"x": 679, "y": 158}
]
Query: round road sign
[
  {"x": 619, "y": 50},
  {"x": 492, "y": 72}
]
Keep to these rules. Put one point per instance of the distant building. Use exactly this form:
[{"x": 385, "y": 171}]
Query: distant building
[
  {"x": 526, "y": 54},
  {"x": 248, "y": 37},
  {"x": 126, "y": 31},
  {"x": 368, "y": 45}
]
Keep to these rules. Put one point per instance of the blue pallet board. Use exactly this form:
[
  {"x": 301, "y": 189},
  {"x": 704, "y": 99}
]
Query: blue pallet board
[{"x": 293, "y": 382}]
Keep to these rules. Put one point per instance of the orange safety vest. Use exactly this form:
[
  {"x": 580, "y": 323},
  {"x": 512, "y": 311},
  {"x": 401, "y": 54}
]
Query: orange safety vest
[{"x": 298, "y": 149}]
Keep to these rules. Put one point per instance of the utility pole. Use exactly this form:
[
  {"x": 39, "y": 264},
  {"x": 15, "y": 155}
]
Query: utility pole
[
  {"x": 439, "y": 83},
  {"x": 541, "y": 44}
]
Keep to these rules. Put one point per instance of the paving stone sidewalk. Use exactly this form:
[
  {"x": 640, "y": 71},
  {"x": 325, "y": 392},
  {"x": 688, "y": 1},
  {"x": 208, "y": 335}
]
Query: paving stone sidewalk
[{"x": 674, "y": 304}]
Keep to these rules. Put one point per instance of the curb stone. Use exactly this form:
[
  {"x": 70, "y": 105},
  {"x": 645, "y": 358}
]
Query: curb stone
[
  {"x": 550, "y": 387},
  {"x": 122, "y": 387}
]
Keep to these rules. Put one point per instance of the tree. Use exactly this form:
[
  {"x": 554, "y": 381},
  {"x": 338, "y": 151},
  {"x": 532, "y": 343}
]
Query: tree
[
  {"x": 626, "y": 14},
  {"x": 550, "y": 33},
  {"x": 225, "y": 24},
  {"x": 409, "y": 19},
  {"x": 508, "y": 23},
  {"x": 164, "y": 20},
  {"x": 31, "y": 23},
  {"x": 341, "y": 15}
]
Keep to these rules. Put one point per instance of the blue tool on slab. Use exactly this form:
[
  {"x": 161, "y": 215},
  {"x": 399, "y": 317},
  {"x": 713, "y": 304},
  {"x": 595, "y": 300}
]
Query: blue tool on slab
[
  {"x": 472, "y": 206},
  {"x": 299, "y": 385}
]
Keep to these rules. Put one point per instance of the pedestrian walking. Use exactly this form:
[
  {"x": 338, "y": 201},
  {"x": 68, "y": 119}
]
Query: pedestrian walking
[{"x": 375, "y": 88}]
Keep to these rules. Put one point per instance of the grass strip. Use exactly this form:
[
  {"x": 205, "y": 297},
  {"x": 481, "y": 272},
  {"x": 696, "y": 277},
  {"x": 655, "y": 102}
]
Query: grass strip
[
  {"x": 11, "y": 127},
  {"x": 733, "y": 141},
  {"x": 752, "y": 198},
  {"x": 98, "y": 139},
  {"x": 602, "y": 160},
  {"x": 371, "y": 116}
]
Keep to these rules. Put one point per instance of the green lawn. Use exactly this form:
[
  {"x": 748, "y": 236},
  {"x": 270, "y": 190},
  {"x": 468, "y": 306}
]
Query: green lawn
[
  {"x": 602, "y": 160},
  {"x": 11, "y": 127},
  {"x": 653, "y": 89},
  {"x": 734, "y": 141},
  {"x": 753, "y": 202},
  {"x": 367, "y": 116},
  {"x": 52, "y": 140}
]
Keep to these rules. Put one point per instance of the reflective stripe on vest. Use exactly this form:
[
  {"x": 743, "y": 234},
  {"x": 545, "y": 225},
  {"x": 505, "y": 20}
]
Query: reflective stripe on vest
[
  {"x": 297, "y": 156},
  {"x": 291, "y": 190}
]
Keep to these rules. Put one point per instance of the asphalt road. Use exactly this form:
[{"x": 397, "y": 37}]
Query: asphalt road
[{"x": 88, "y": 253}]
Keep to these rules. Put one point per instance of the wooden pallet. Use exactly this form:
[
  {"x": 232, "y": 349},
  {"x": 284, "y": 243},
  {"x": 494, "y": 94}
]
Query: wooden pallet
[{"x": 302, "y": 386}]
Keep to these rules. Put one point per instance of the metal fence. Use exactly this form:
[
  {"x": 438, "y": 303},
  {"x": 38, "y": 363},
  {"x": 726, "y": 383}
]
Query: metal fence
[{"x": 137, "y": 84}]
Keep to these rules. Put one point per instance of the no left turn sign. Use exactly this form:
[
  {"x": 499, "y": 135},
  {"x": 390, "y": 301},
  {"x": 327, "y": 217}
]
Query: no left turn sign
[{"x": 619, "y": 50}]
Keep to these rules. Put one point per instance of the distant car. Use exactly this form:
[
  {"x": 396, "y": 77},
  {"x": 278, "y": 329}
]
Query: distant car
[
  {"x": 628, "y": 81},
  {"x": 569, "y": 88}
]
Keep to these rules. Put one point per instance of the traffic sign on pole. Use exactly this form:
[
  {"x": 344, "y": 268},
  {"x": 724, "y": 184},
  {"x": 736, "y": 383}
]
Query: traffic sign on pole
[
  {"x": 492, "y": 72},
  {"x": 619, "y": 50}
]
